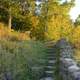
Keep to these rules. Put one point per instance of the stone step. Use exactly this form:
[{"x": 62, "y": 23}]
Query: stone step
[
  {"x": 49, "y": 72},
  {"x": 52, "y": 61},
  {"x": 50, "y": 64},
  {"x": 50, "y": 68}
]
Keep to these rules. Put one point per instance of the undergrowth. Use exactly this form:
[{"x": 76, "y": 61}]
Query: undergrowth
[{"x": 22, "y": 60}]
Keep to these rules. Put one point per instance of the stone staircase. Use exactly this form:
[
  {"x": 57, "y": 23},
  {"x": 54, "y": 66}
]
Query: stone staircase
[
  {"x": 60, "y": 62},
  {"x": 50, "y": 67}
]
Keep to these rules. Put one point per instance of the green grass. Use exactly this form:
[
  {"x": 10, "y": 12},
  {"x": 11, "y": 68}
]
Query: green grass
[{"x": 17, "y": 59}]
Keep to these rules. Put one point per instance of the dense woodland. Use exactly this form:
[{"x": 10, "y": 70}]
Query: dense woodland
[{"x": 24, "y": 30}]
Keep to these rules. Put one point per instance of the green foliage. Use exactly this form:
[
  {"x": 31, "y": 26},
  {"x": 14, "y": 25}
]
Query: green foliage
[
  {"x": 16, "y": 11},
  {"x": 21, "y": 24},
  {"x": 23, "y": 18},
  {"x": 54, "y": 21},
  {"x": 77, "y": 22},
  {"x": 38, "y": 32},
  {"x": 59, "y": 23},
  {"x": 3, "y": 15}
]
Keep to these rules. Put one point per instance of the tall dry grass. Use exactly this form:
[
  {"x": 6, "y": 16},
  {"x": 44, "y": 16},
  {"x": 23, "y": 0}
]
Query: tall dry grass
[{"x": 12, "y": 35}]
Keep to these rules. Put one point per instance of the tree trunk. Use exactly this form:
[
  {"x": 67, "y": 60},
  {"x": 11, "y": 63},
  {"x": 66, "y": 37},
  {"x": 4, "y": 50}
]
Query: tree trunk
[{"x": 10, "y": 20}]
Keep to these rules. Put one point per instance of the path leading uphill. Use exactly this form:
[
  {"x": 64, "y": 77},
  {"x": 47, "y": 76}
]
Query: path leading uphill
[
  {"x": 50, "y": 67},
  {"x": 60, "y": 62}
]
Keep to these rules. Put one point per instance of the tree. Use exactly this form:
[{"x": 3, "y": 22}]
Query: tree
[
  {"x": 39, "y": 29},
  {"x": 77, "y": 22},
  {"x": 59, "y": 25},
  {"x": 16, "y": 10},
  {"x": 53, "y": 20},
  {"x": 76, "y": 33},
  {"x": 11, "y": 7},
  {"x": 76, "y": 36}
]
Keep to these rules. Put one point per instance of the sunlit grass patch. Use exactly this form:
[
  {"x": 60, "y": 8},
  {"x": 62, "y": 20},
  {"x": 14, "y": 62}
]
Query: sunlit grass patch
[{"x": 12, "y": 35}]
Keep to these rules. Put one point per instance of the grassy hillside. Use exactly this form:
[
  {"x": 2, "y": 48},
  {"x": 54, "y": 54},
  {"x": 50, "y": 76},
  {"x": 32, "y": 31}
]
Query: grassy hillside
[{"x": 20, "y": 58}]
